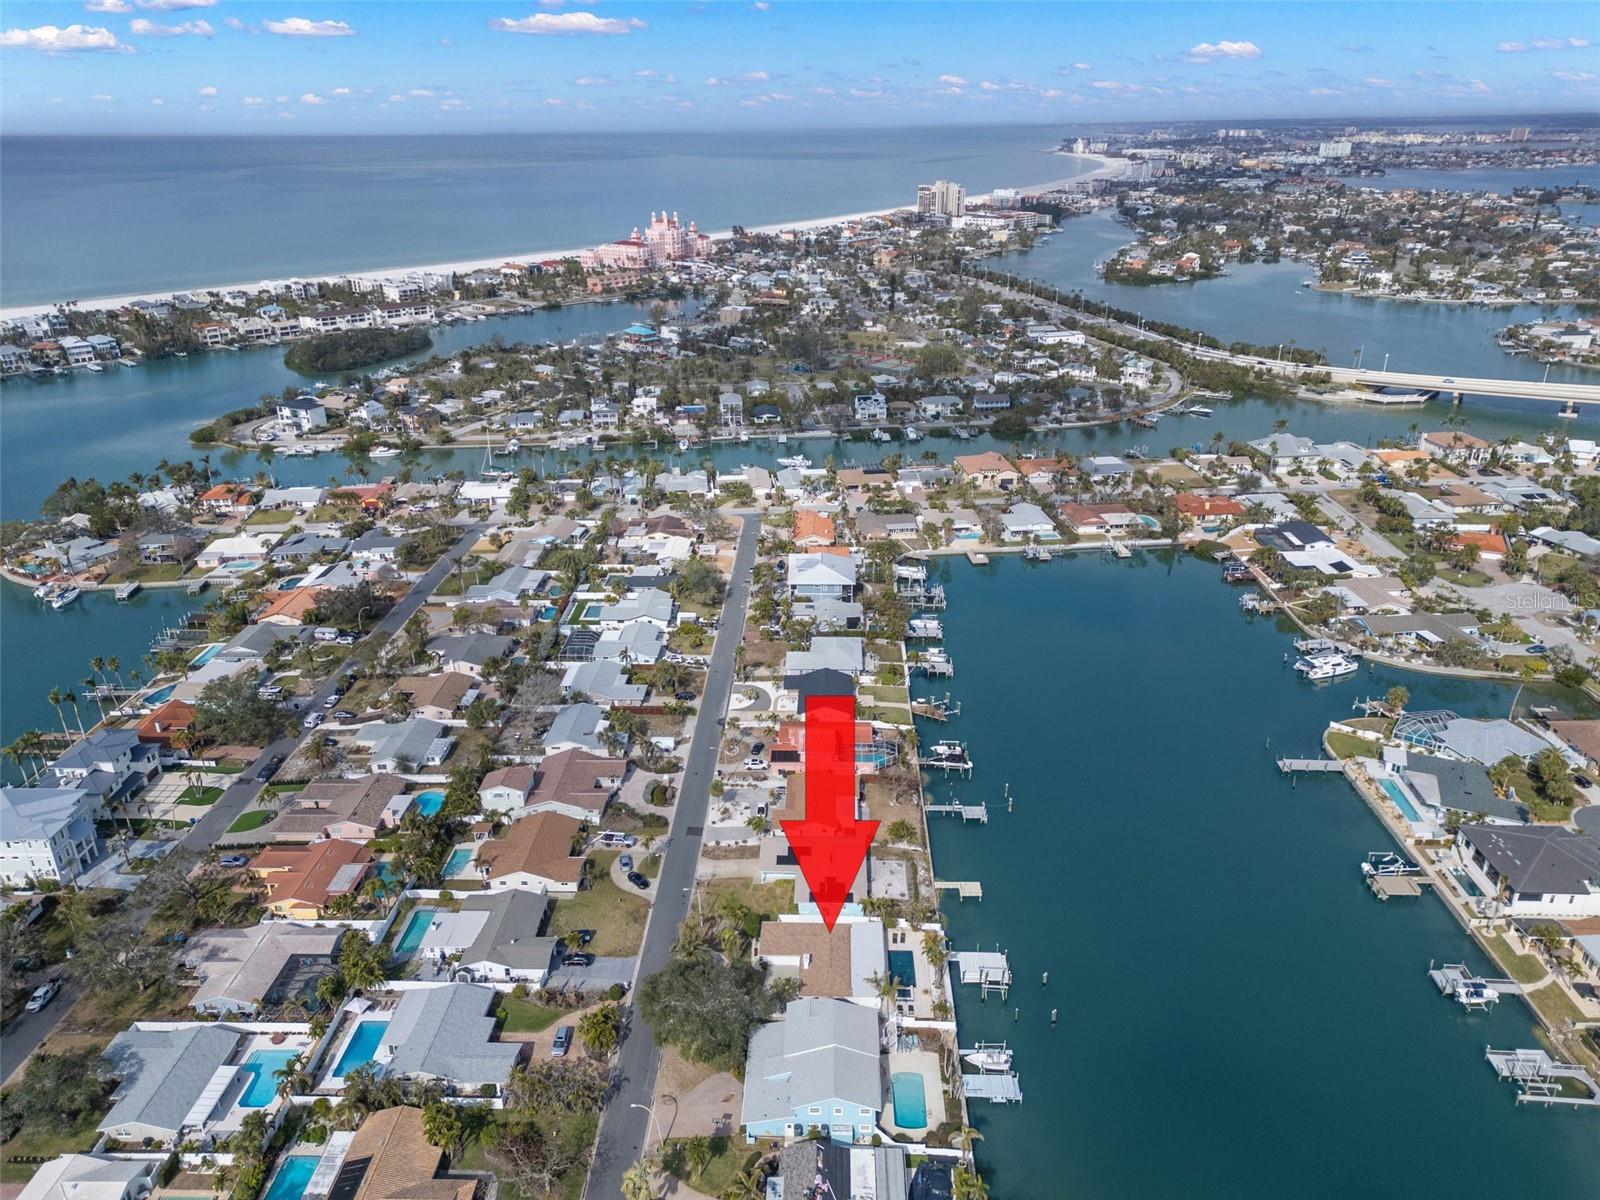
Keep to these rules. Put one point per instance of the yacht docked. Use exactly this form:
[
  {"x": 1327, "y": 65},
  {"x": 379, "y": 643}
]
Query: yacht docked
[
  {"x": 383, "y": 452},
  {"x": 913, "y": 434},
  {"x": 1321, "y": 667},
  {"x": 878, "y": 435},
  {"x": 799, "y": 461}
]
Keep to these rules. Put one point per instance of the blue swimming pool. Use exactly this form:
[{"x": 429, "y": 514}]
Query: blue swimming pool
[
  {"x": 548, "y": 613},
  {"x": 903, "y": 966},
  {"x": 910, "y": 1103},
  {"x": 429, "y": 803},
  {"x": 460, "y": 859},
  {"x": 262, "y": 1067},
  {"x": 1394, "y": 793},
  {"x": 293, "y": 1177},
  {"x": 207, "y": 653},
  {"x": 161, "y": 695},
  {"x": 361, "y": 1047},
  {"x": 416, "y": 929}
]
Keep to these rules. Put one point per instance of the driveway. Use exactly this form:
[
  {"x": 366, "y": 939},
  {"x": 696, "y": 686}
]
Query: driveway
[
  {"x": 1537, "y": 611},
  {"x": 605, "y": 973},
  {"x": 623, "y": 1128}
]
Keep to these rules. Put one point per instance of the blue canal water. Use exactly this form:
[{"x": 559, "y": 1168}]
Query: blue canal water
[
  {"x": 1237, "y": 1016},
  {"x": 263, "y": 1086},
  {"x": 193, "y": 212}
]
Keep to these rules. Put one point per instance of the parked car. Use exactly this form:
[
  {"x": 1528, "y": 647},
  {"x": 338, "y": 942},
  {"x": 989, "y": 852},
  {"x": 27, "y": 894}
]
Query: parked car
[
  {"x": 312, "y": 720},
  {"x": 233, "y": 860},
  {"x": 270, "y": 767},
  {"x": 43, "y": 994},
  {"x": 1583, "y": 781},
  {"x": 754, "y": 764},
  {"x": 343, "y": 714},
  {"x": 686, "y": 696},
  {"x": 638, "y": 881},
  {"x": 562, "y": 1043},
  {"x": 757, "y": 748},
  {"x": 612, "y": 839},
  {"x": 626, "y": 862},
  {"x": 578, "y": 958},
  {"x": 331, "y": 700}
]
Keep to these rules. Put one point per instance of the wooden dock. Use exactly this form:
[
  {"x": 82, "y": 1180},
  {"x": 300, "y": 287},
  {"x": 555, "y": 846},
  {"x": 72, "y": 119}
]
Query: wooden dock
[
  {"x": 127, "y": 591},
  {"x": 977, "y": 558},
  {"x": 967, "y": 812},
  {"x": 963, "y": 890},
  {"x": 1290, "y": 766},
  {"x": 1385, "y": 886}
]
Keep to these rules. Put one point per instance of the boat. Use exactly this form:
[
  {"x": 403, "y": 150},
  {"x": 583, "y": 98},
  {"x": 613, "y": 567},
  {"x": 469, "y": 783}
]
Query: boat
[
  {"x": 989, "y": 1056},
  {"x": 95, "y": 367},
  {"x": 513, "y": 446},
  {"x": 683, "y": 445},
  {"x": 383, "y": 452},
  {"x": 743, "y": 437},
  {"x": 963, "y": 435},
  {"x": 65, "y": 595},
  {"x": 879, "y": 435},
  {"x": 1197, "y": 410},
  {"x": 1475, "y": 993},
  {"x": 913, "y": 434},
  {"x": 1318, "y": 668},
  {"x": 798, "y": 461}
]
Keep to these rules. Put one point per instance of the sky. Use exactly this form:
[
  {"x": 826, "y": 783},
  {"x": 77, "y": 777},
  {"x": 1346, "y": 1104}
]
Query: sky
[{"x": 368, "y": 66}]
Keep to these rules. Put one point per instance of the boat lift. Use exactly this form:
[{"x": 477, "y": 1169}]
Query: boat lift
[
  {"x": 1541, "y": 1079},
  {"x": 1472, "y": 992}
]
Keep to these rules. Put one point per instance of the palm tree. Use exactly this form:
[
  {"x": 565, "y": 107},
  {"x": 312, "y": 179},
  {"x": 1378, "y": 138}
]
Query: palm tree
[
  {"x": 637, "y": 1183},
  {"x": 746, "y": 1185},
  {"x": 56, "y": 699},
  {"x": 963, "y": 1140},
  {"x": 697, "y": 1154},
  {"x": 968, "y": 1185}
]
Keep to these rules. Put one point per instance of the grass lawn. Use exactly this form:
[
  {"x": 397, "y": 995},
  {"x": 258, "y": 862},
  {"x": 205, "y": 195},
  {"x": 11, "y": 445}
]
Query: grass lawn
[
  {"x": 43, "y": 1144},
  {"x": 616, "y": 917},
  {"x": 272, "y": 516},
  {"x": 888, "y": 695},
  {"x": 254, "y": 819},
  {"x": 524, "y": 1016},
  {"x": 205, "y": 795},
  {"x": 1554, "y": 1003},
  {"x": 1348, "y": 745},
  {"x": 1524, "y": 968},
  {"x": 771, "y": 900},
  {"x": 150, "y": 573},
  {"x": 470, "y": 576},
  {"x": 571, "y": 1131},
  {"x": 730, "y": 1156}
]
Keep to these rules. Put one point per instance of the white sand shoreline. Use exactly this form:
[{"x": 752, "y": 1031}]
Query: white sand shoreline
[{"x": 1108, "y": 168}]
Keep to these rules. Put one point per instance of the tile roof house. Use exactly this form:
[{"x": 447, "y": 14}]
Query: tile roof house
[
  {"x": 435, "y": 697},
  {"x": 446, "y": 1033},
  {"x": 160, "y": 724},
  {"x": 239, "y": 969},
  {"x": 302, "y": 880},
  {"x": 1098, "y": 518},
  {"x": 812, "y": 528},
  {"x": 356, "y": 810},
  {"x": 989, "y": 470},
  {"x": 844, "y": 963},
  {"x": 819, "y": 1067},
  {"x": 535, "y": 853},
  {"x": 390, "y": 1158},
  {"x": 572, "y": 782}
]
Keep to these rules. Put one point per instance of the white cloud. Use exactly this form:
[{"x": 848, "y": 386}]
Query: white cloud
[
  {"x": 107, "y": 6},
  {"x": 1575, "y": 76},
  {"x": 208, "y": 90},
  {"x": 452, "y": 104},
  {"x": 157, "y": 101},
  {"x": 312, "y": 98},
  {"x": 302, "y": 27},
  {"x": 233, "y": 22},
  {"x": 421, "y": 93},
  {"x": 173, "y": 5},
  {"x": 988, "y": 86},
  {"x": 557, "y": 24},
  {"x": 1114, "y": 85},
  {"x": 760, "y": 6},
  {"x": 253, "y": 101},
  {"x": 593, "y": 81},
  {"x": 1377, "y": 81},
  {"x": 655, "y": 76},
  {"x": 741, "y": 77},
  {"x": 340, "y": 91},
  {"x": 865, "y": 93},
  {"x": 1207, "y": 52},
  {"x": 553, "y": 102},
  {"x": 1544, "y": 43},
  {"x": 52, "y": 39},
  {"x": 102, "y": 98},
  {"x": 1080, "y": 66},
  {"x": 142, "y": 28},
  {"x": 1323, "y": 91},
  {"x": 953, "y": 80}
]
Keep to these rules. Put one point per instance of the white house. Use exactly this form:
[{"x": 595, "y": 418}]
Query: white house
[
  {"x": 1534, "y": 870},
  {"x": 46, "y": 833}
]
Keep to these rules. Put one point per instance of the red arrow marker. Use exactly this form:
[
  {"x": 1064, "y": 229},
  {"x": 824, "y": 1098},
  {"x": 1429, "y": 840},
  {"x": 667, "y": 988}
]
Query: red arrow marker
[{"x": 830, "y": 844}]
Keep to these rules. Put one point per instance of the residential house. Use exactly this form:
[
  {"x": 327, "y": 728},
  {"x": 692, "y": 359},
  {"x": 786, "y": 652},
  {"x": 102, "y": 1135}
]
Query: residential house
[
  {"x": 1099, "y": 518},
  {"x": 446, "y": 1034},
  {"x": 603, "y": 681},
  {"x": 260, "y": 966},
  {"x": 301, "y": 881},
  {"x": 162, "y": 725},
  {"x": 830, "y": 576},
  {"x": 1534, "y": 870},
  {"x": 165, "y": 1077},
  {"x": 813, "y": 529},
  {"x": 1455, "y": 448},
  {"x": 847, "y": 962},
  {"x": 536, "y": 853},
  {"x": 391, "y": 1158},
  {"x": 1023, "y": 521},
  {"x": 577, "y": 727},
  {"x": 93, "y": 1177},
  {"x": 841, "y": 1171},
  {"x": 818, "y": 1068},
  {"x": 356, "y": 810},
  {"x": 494, "y": 936},
  {"x": 46, "y": 834},
  {"x": 301, "y": 414},
  {"x": 405, "y": 746},
  {"x": 846, "y": 654},
  {"x": 467, "y": 653},
  {"x": 435, "y": 697},
  {"x": 990, "y": 471}
]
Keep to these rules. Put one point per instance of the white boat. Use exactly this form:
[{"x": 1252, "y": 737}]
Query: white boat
[
  {"x": 743, "y": 437},
  {"x": 513, "y": 447},
  {"x": 1386, "y": 862},
  {"x": 783, "y": 439},
  {"x": 1474, "y": 993},
  {"x": 95, "y": 367},
  {"x": 64, "y": 596},
  {"x": 1198, "y": 410},
  {"x": 879, "y": 435},
  {"x": 990, "y": 1057},
  {"x": 683, "y": 445},
  {"x": 1328, "y": 665},
  {"x": 913, "y": 435},
  {"x": 46, "y": 592},
  {"x": 795, "y": 460},
  {"x": 383, "y": 452},
  {"x": 947, "y": 750}
]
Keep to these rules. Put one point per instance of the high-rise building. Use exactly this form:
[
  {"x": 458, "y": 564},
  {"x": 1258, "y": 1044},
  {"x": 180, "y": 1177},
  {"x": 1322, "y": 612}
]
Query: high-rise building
[
  {"x": 1519, "y": 134},
  {"x": 942, "y": 198}
]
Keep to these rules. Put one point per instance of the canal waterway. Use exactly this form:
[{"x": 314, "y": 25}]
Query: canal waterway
[{"x": 1237, "y": 1016}]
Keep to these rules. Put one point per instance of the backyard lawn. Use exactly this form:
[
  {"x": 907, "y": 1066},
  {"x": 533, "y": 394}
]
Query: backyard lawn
[
  {"x": 205, "y": 795},
  {"x": 1524, "y": 968},
  {"x": 525, "y": 1016},
  {"x": 729, "y": 1157},
  {"x": 43, "y": 1144},
  {"x": 616, "y": 917}
]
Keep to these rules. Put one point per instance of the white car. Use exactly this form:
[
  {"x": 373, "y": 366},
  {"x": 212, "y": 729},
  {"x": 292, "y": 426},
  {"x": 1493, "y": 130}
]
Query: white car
[
  {"x": 312, "y": 720},
  {"x": 754, "y": 764},
  {"x": 43, "y": 994}
]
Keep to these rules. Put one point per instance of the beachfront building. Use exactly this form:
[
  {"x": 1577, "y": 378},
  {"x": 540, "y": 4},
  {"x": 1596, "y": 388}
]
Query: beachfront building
[
  {"x": 664, "y": 240},
  {"x": 818, "y": 1068},
  {"x": 942, "y": 198}
]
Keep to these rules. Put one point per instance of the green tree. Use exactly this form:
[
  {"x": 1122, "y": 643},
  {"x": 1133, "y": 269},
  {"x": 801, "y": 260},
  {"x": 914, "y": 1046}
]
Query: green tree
[
  {"x": 601, "y": 1028},
  {"x": 444, "y": 1127},
  {"x": 707, "y": 1008}
]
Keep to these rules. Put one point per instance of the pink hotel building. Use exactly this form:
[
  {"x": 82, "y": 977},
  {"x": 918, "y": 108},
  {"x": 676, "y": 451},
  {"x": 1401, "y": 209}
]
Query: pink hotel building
[{"x": 663, "y": 241}]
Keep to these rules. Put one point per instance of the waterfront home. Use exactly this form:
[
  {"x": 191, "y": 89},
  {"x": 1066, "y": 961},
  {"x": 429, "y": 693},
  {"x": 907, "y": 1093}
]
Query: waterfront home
[
  {"x": 355, "y": 810},
  {"x": 111, "y": 764},
  {"x": 467, "y": 653},
  {"x": 939, "y": 408},
  {"x": 1455, "y": 448},
  {"x": 1099, "y": 518},
  {"x": 1421, "y": 629},
  {"x": 1212, "y": 512},
  {"x": 46, "y": 834},
  {"x": 93, "y": 1177},
  {"x": 301, "y": 881},
  {"x": 1105, "y": 468},
  {"x": 494, "y": 936},
  {"x": 1533, "y": 870},
  {"x": 301, "y": 414},
  {"x": 787, "y": 749},
  {"x": 435, "y": 697},
  {"x": 241, "y": 548},
  {"x": 165, "y": 1082},
  {"x": 446, "y": 1034},
  {"x": 829, "y": 616},
  {"x": 303, "y": 497},
  {"x": 1358, "y": 596},
  {"x": 391, "y": 1158},
  {"x": 579, "y": 726},
  {"x": 1023, "y": 521},
  {"x": 158, "y": 548},
  {"x": 1043, "y": 472},
  {"x": 842, "y": 1171},
  {"x": 988, "y": 471},
  {"x": 1452, "y": 785},
  {"x": 871, "y": 407},
  {"x": 227, "y": 499},
  {"x": 845, "y": 963},
  {"x": 161, "y": 725},
  {"x": 605, "y": 682},
  {"x": 245, "y": 970},
  {"x": 830, "y": 576},
  {"x": 536, "y": 853},
  {"x": 813, "y": 529},
  {"x": 291, "y": 607},
  {"x": 846, "y": 654},
  {"x": 405, "y": 746},
  {"x": 1486, "y": 741},
  {"x": 818, "y": 1068}
]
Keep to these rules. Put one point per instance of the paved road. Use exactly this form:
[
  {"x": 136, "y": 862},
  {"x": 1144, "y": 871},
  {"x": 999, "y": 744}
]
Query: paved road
[
  {"x": 24, "y": 1034},
  {"x": 205, "y": 832},
  {"x": 623, "y": 1129}
]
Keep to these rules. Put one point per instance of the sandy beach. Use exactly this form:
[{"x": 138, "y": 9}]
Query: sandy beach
[{"x": 1108, "y": 168}]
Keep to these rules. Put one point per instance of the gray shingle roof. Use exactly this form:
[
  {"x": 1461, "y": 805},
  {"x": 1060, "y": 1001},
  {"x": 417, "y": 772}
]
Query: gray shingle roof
[
  {"x": 822, "y": 1050},
  {"x": 163, "y": 1073},
  {"x": 1539, "y": 858},
  {"x": 444, "y": 1033}
]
